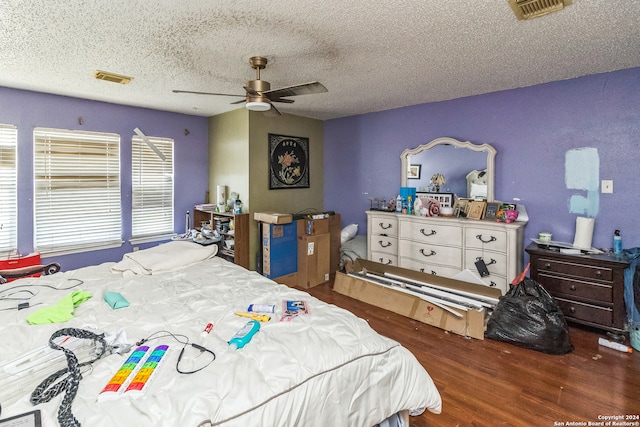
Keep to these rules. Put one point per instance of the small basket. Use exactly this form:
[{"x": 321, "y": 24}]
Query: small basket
[{"x": 634, "y": 333}]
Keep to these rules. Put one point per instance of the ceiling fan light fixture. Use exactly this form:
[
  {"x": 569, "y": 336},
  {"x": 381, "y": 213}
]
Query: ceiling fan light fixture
[{"x": 258, "y": 106}]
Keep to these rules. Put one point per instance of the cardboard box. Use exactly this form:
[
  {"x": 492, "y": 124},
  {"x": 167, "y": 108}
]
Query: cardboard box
[
  {"x": 311, "y": 227},
  {"x": 313, "y": 260},
  {"x": 471, "y": 324},
  {"x": 279, "y": 250},
  {"x": 273, "y": 217},
  {"x": 290, "y": 280}
]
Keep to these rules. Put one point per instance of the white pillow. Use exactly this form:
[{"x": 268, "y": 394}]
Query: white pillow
[{"x": 348, "y": 233}]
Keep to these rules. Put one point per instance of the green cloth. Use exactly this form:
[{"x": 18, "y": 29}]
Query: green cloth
[{"x": 61, "y": 311}]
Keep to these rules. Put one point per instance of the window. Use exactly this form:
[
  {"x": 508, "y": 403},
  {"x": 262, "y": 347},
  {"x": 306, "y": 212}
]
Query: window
[
  {"x": 8, "y": 188},
  {"x": 152, "y": 187},
  {"x": 76, "y": 191}
]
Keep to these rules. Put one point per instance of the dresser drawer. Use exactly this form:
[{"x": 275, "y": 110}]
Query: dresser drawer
[
  {"x": 432, "y": 254},
  {"x": 572, "y": 269},
  {"x": 482, "y": 238},
  {"x": 384, "y": 244},
  {"x": 431, "y": 233},
  {"x": 498, "y": 282},
  {"x": 577, "y": 289},
  {"x": 496, "y": 262},
  {"x": 384, "y": 258},
  {"x": 586, "y": 312},
  {"x": 387, "y": 225},
  {"x": 438, "y": 270}
]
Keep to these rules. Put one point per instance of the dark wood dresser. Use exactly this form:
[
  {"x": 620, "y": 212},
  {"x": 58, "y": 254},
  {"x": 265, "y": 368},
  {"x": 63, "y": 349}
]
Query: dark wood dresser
[{"x": 588, "y": 288}]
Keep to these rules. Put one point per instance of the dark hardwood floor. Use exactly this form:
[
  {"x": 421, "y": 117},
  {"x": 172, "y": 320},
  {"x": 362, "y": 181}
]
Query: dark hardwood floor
[{"x": 488, "y": 383}]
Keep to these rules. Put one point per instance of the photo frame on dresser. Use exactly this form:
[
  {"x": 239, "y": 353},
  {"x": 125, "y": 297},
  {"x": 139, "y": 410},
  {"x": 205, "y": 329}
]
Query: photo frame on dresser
[
  {"x": 461, "y": 207},
  {"x": 491, "y": 210},
  {"x": 476, "y": 209}
]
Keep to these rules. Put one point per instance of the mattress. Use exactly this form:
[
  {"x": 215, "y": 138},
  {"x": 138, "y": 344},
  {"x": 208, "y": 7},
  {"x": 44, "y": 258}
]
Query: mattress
[{"x": 324, "y": 368}]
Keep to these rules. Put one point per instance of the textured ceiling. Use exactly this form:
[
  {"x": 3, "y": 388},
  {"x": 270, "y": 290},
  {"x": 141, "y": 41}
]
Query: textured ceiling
[{"x": 371, "y": 56}]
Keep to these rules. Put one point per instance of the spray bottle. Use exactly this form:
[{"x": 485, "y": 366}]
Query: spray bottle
[
  {"x": 244, "y": 335},
  {"x": 617, "y": 242},
  {"x": 398, "y": 204}
]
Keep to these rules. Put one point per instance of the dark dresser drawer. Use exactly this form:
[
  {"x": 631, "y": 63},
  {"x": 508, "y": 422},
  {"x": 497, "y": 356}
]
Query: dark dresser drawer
[
  {"x": 588, "y": 288},
  {"x": 586, "y": 312},
  {"x": 573, "y": 269},
  {"x": 574, "y": 288}
]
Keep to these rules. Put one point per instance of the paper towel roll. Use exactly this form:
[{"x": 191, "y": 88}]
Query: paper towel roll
[
  {"x": 584, "y": 232},
  {"x": 221, "y": 194}
]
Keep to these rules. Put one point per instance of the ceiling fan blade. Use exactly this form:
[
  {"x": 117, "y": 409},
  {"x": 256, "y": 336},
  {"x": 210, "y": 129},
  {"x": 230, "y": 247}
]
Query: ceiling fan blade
[
  {"x": 239, "y": 102},
  {"x": 207, "y": 93},
  {"x": 283, "y": 100},
  {"x": 250, "y": 91},
  {"x": 301, "y": 89},
  {"x": 272, "y": 112}
]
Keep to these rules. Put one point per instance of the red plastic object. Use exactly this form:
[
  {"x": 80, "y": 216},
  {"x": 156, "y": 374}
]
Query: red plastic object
[{"x": 19, "y": 262}]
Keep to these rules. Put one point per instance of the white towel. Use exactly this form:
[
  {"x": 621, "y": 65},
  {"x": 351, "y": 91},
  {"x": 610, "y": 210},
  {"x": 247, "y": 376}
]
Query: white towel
[{"x": 162, "y": 258}]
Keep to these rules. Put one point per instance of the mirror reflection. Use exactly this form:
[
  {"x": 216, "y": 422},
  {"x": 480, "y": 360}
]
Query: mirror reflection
[{"x": 447, "y": 165}]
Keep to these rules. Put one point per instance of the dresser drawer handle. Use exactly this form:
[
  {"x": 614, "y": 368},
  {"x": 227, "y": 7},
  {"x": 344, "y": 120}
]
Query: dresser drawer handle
[
  {"x": 491, "y": 239},
  {"x": 434, "y": 273},
  {"x": 433, "y": 232},
  {"x": 547, "y": 266},
  {"x": 493, "y": 261},
  {"x": 381, "y": 261},
  {"x": 572, "y": 287},
  {"x": 598, "y": 273},
  {"x": 492, "y": 284},
  {"x": 385, "y": 227},
  {"x": 383, "y": 245},
  {"x": 572, "y": 310},
  {"x": 431, "y": 254}
]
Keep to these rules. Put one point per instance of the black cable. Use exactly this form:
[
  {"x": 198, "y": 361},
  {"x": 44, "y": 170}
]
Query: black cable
[
  {"x": 30, "y": 285},
  {"x": 47, "y": 390},
  {"x": 42, "y": 285},
  {"x": 184, "y": 343}
]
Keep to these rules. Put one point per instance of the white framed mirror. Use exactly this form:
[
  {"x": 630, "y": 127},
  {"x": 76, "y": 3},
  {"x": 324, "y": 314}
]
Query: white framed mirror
[{"x": 461, "y": 163}]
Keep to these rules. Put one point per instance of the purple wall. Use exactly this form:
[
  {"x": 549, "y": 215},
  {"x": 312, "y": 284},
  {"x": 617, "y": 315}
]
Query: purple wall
[
  {"x": 532, "y": 129},
  {"x": 28, "y": 110}
]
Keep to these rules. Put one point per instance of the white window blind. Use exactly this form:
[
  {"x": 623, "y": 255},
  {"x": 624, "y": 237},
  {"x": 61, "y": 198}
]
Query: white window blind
[
  {"x": 152, "y": 186},
  {"x": 8, "y": 188},
  {"x": 76, "y": 190}
]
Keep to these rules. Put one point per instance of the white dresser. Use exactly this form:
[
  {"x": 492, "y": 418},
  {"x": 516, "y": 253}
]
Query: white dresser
[{"x": 446, "y": 246}]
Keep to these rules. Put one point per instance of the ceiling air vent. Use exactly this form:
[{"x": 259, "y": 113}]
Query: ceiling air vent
[
  {"x": 529, "y": 9},
  {"x": 112, "y": 77}
]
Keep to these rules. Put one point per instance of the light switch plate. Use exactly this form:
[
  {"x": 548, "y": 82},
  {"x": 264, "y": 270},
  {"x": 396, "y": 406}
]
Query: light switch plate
[{"x": 607, "y": 186}]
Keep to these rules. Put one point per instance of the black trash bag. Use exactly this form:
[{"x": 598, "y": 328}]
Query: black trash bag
[{"x": 529, "y": 317}]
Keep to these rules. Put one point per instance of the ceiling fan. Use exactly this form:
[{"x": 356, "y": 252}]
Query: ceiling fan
[{"x": 258, "y": 93}]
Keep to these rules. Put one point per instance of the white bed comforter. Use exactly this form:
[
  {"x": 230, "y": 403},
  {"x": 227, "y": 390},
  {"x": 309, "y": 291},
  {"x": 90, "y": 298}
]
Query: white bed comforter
[{"x": 328, "y": 368}]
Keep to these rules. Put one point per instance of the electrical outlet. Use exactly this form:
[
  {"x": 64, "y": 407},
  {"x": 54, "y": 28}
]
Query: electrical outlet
[{"x": 607, "y": 186}]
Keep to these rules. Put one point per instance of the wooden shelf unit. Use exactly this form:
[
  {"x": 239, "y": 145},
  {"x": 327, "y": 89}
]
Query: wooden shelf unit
[{"x": 240, "y": 253}]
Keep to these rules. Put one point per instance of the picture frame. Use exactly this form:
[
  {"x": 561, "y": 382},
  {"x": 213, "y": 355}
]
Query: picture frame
[
  {"x": 461, "y": 207},
  {"x": 491, "y": 210},
  {"x": 476, "y": 209},
  {"x": 288, "y": 162},
  {"x": 413, "y": 171}
]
